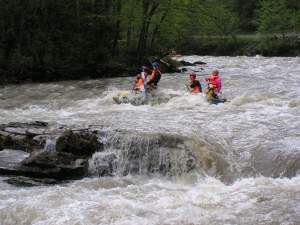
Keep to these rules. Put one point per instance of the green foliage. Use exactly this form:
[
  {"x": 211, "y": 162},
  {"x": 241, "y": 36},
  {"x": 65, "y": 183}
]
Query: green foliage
[
  {"x": 274, "y": 17},
  {"x": 72, "y": 39}
]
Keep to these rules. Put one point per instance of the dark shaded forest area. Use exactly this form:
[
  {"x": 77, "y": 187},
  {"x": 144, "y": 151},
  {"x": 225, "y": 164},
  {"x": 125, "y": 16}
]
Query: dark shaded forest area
[{"x": 48, "y": 40}]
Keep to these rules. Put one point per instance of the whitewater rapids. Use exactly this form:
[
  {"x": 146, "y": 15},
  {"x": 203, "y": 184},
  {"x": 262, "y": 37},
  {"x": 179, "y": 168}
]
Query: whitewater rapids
[{"x": 257, "y": 133}]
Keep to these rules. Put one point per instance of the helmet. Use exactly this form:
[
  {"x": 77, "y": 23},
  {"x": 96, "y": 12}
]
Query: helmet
[
  {"x": 155, "y": 65},
  {"x": 193, "y": 75},
  {"x": 215, "y": 72}
]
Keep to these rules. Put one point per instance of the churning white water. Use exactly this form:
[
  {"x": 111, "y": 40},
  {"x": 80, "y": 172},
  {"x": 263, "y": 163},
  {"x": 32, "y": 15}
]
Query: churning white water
[{"x": 256, "y": 134}]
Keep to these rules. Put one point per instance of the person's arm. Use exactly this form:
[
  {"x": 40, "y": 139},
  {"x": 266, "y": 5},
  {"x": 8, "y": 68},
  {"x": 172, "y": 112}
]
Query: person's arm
[{"x": 200, "y": 87}]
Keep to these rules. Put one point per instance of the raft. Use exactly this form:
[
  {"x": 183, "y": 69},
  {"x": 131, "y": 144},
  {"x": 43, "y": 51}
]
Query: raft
[
  {"x": 216, "y": 101},
  {"x": 121, "y": 97},
  {"x": 126, "y": 97}
]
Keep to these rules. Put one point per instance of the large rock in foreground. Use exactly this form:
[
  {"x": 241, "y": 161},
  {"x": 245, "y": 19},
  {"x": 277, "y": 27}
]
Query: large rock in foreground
[
  {"x": 51, "y": 164},
  {"x": 45, "y": 164}
]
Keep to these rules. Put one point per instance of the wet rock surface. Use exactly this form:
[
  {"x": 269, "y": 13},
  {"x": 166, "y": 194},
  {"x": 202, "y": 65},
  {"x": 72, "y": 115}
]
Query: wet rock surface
[
  {"x": 67, "y": 158},
  {"x": 52, "y": 164},
  {"x": 21, "y": 136},
  {"x": 166, "y": 154},
  {"x": 78, "y": 143},
  {"x": 185, "y": 63},
  {"x": 9, "y": 161},
  {"x": 21, "y": 181}
]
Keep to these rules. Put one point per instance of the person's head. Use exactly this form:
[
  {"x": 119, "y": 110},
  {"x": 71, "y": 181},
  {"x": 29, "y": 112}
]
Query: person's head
[
  {"x": 155, "y": 65},
  {"x": 215, "y": 72},
  {"x": 193, "y": 76},
  {"x": 139, "y": 76}
]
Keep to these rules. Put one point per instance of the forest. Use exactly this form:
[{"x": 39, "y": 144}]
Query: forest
[{"x": 49, "y": 40}]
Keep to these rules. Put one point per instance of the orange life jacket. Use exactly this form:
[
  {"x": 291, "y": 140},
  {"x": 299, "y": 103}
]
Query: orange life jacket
[
  {"x": 213, "y": 81},
  {"x": 153, "y": 74},
  {"x": 196, "y": 86},
  {"x": 196, "y": 89},
  {"x": 139, "y": 83}
]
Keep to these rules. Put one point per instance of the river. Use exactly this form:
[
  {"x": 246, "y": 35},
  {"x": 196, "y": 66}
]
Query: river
[{"x": 256, "y": 136}]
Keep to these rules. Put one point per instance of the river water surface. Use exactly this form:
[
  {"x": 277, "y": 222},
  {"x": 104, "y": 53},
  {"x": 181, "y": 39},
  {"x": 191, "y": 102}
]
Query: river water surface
[{"x": 256, "y": 133}]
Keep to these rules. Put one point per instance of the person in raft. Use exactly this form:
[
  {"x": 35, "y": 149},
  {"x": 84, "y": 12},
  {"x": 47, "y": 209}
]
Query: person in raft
[
  {"x": 214, "y": 81},
  {"x": 195, "y": 86},
  {"x": 139, "y": 84},
  {"x": 155, "y": 75}
]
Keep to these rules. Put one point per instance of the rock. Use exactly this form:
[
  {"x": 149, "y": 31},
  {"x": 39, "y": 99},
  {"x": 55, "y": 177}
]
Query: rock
[
  {"x": 5, "y": 140},
  {"x": 55, "y": 165},
  {"x": 79, "y": 144},
  {"x": 20, "y": 136},
  {"x": 153, "y": 153},
  {"x": 185, "y": 63},
  {"x": 13, "y": 141},
  {"x": 36, "y": 124},
  {"x": 45, "y": 164},
  {"x": 199, "y": 63},
  {"x": 30, "y": 182},
  {"x": 9, "y": 160},
  {"x": 184, "y": 69}
]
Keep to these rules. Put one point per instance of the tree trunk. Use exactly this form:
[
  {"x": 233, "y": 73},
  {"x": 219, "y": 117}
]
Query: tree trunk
[
  {"x": 129, "y": 28},
  {"x": 157, "y": 27},
  {"x": 117, "y": 26},
  {"x": 148, "y": 12}
]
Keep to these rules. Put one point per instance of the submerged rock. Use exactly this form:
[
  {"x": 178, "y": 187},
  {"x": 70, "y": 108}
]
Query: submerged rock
[
  {"x": 103, "y": 163},
  {"x": 199, "y": 63},
  {"x": 30, "y": 182},
  {"x": 185, "y": 63},
  {"x": 165, "y": 154}
]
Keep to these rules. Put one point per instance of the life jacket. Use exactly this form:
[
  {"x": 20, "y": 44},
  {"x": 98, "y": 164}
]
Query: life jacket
[
  {"x": 196, "y": 87},
  {"x": 139, "y": 83},
  {"x": 196, "y": 90},
  {"x": 154, "y": 71},
  {"x": 215, "y": 82}
]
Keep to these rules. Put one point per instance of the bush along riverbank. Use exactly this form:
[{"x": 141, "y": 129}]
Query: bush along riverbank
[{"x": 26, "y": 73}]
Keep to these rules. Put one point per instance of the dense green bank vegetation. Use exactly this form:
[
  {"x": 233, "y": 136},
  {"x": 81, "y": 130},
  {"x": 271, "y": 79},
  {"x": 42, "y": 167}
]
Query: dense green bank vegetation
[{"x": 44, "y": 40}]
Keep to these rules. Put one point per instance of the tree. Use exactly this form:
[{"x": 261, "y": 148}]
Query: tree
[{"x": 274, "y": 17}]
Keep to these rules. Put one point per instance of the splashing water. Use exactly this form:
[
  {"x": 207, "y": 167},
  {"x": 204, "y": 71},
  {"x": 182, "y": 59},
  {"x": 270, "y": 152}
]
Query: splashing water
[{"x": 248, "y": 149}]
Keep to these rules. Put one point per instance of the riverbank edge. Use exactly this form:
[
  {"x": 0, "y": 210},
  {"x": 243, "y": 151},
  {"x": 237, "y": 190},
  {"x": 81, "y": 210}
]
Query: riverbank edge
[{"x": 114, "y": 69}]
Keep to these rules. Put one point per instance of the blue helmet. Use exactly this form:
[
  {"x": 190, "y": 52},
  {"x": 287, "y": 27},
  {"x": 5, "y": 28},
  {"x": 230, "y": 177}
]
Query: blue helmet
[{"x": 155, "y": 65}]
